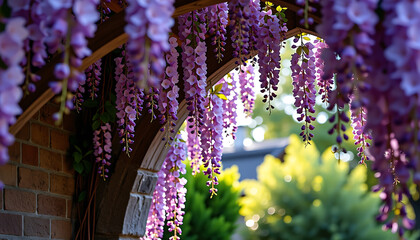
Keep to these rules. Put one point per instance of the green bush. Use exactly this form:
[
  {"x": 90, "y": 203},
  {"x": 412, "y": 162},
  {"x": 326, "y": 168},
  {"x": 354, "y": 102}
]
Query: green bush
[
  {"x": 214, "y": 218},
  {"x": 310, "y": 197}
]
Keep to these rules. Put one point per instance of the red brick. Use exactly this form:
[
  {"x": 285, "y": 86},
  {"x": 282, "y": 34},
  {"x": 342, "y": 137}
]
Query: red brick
[
  {"x": 33, "y": 179},
  {"x": 60, "y": 229},
  {"x": 59, "y": 140},
  {"x": 69, "y": 208},
  {"x": 46, "y": 113},
  {"x": 8, "y": 174},
  {"x": 10, "y": 224},
  {"x": 53, "y": 206},
  {"x": 24, "y": 133},
  {"x": 29, "y": 154},
  {"x": 68, "y": 165},
  {"x": 62, "y": 185},
  {"x": 20, "y": 201},
  {"x": 40, "y": 135},
  {"x": 14, "y": 152},
  {"x": 36, "y": 227},
  {"x": 50, "y": 160}
]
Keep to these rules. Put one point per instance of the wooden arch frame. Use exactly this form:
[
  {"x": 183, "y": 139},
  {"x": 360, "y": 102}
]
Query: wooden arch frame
[{"x": 125, "y": 199}]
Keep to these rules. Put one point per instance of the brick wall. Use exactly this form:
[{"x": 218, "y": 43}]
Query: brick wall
[{"x": 36, "y": 202}]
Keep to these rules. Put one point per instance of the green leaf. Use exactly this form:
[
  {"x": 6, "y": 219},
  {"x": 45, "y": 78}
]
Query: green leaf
[
  {"x": 96, "y": 124},
  {"x": 78, "y": 148},
  {"x": 77, "y": 156},
  {"x": 109, "y": 106},
  {"x": 113, "y": 98},
  {"x": 88, "y": 153},
  {"x": 78, "y": 166},
  {"x": 95, "y": 117},
  {"x": 87, "y": 165},
  {"x": 104, "y": 117},
  {"x": 307, "y": 38},
  {"x": 299, "y": 50},
  {"x": 82, "y": 196},
  {"x": 218, "y": 88},
  {"x": 221, "y": 96}
]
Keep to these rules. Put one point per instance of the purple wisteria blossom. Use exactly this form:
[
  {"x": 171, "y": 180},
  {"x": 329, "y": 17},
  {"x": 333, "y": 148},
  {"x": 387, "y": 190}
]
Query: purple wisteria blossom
[
  {"x": 129, "y": 102},
  {"x": 239, "y": 29},
  {"x": 148, "y": 26},
  {"x": 304, "y": 91},
  {"x": 168, "y": 99},
  {"x": 218, "y": 20},
  {"x": 229, "y": 89},
  {"x": 212, "y": 140},
  {"x": 246, "y": 86},
  {"x": 268, "y": 45},
  {"x": 102, "y": 149},
  {"x": 169, "y": 195},
  {"x": 12, "y": 54}
]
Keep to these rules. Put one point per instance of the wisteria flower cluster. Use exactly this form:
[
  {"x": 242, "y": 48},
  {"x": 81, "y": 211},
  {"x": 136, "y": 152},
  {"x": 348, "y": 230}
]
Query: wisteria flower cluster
[
  {"x": 218, "y": 20},
  {"x": 229, "y": 89},
  {"x": 361, "y": 137},
  {"x": 148, "y": 26},
  {"x": 12, "y": 54},
  {"x": 169, "y": 195},
  {"x": 304, "y": 91},
  {"x": 102, "y": 147},
  {"x": 212, "y": 140},
  {"x": 304, "y": 12},
  {"x": 254, "y": 25},
  {"x": 246, "y": 84},
  {"x": 239, "y": 15},
  {"x": 268, "y": 45},
  {"x": 168, "y": 99},
  {"x": 192, "y": 28},
  {"x": 129, "y": 102},
  {"x": 325, "y": 85}
]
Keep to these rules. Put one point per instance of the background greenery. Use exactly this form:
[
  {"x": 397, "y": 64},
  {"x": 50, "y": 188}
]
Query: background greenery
[
  {"x": 310, "y": 196},
  {"x": 214, "y": 218}
]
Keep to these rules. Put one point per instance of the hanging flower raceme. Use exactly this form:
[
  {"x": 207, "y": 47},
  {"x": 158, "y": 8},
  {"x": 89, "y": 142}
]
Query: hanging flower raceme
[
  {"x": 347, "y": 27},
  {"x": 212, "y": 138},
  {"x": 11, "y": 77},
  {"x": 325, "y": 85},
  {"x": 246, "y": 84},
  {"x": 304, "y": 12},
  {"x": 268, "y": 45},
  {"x": 192, "y": 28},
  {"x": 169, "y": 195},
  {"x": 229, "y": 89},
  {"x": 254, "y": 26},
  {"x": 238, "y": 15},
  {"x": 361, "y": 136},
  {"x": 102, "y": 147},
  {"x": 148, "y": 26},
  {"x": 93, "y": 79},
  {"x": 304, "y": 91},
  {"x": 129, "y": 102},
  {"x": 74, "y": 32},
  {"x": 168, "y": 99},
  {"x": 193, "y": 147},
  {"x": 218, "y": 20}
]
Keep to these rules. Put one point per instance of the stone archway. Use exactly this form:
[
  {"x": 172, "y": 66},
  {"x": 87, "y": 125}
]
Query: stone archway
[{"x": 125, "y": 199}]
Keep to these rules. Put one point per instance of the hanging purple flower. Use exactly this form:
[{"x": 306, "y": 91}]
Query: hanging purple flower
[
  {"x": 229, "y": 89},
  {"x": 304, "y": 91},
  {"x": 168, "y": 99},
  {"x": 239, "y": 12},
  {"x": 148, "y": 26},
  {"x": 212, "y": 140},
  {"x": 246, "y": 84},
  {"x": 218, "y": 20},
  {"x": 102, "y": 149},
  {"x": 129, "y": 101}
]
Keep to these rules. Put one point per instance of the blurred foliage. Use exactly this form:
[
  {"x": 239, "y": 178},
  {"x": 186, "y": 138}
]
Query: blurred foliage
[
  {"x": 310, "y": 197},
  {"x": 214, "y": 218}
]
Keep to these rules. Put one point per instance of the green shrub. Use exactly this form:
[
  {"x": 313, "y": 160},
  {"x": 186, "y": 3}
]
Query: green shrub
[
  {"x": 310, "y": 197},
  {"x": 214, "y": 218}
]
